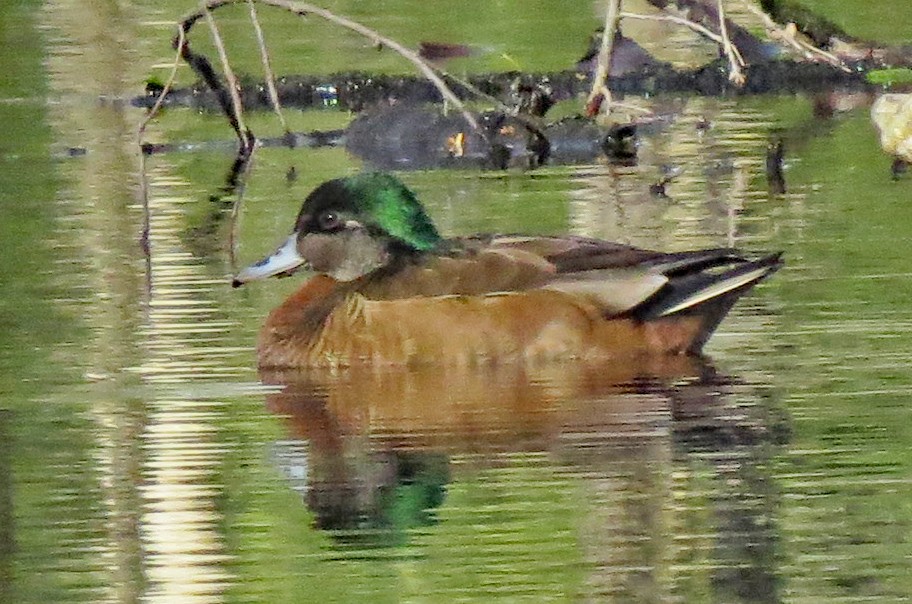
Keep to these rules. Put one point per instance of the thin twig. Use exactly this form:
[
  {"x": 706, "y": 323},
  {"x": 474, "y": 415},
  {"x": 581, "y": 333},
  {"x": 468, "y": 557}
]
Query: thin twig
[
  {"x": 169, "y": 84},
  {"x": 304, "y": 9},
  {"x": 631, "y": 107},
  {"x": 144, "y": 237},
  {"x": 235, "y": 212},
  {"x": 267, "y": 68},
  {"x": 735, "y": 75},
  {"x": 245, "y": 153},
  {"x": 708, "y": 33},
  {"x": 246, "y": 138},
  {"x": 693, "y": 25},
  {"x": 789, "y": 36},
  {"x": 603, "y": 67}
]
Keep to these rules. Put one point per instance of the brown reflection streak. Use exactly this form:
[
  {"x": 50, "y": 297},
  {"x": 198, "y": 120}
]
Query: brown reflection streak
[
  {"x": 612, "y": 426},
  {"x": 433, "y": 406}
]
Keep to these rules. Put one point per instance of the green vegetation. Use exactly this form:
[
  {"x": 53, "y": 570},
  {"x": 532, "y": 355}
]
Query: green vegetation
[
  {"x": 890, "y": 77},
  {"x": 887, "y": 21}
]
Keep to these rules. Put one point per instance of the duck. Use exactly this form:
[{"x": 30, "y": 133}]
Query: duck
[{"x": 388, "y": 289}]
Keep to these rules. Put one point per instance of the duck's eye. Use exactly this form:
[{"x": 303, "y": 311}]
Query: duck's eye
[{"x": 329, "y": 221}]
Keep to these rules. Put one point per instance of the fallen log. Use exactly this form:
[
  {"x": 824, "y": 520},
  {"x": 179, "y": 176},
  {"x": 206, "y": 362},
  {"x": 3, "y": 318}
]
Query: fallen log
[{"x": 356, "y": 91}]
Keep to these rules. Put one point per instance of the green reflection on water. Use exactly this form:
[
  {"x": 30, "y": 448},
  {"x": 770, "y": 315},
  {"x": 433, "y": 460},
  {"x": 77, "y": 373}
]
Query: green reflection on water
[
  {"x": 852, "y": 329},
  {"x": 886, "y": 20},
  {"x": 47, "y": 472},
  {"x": 465, "y": 554}
]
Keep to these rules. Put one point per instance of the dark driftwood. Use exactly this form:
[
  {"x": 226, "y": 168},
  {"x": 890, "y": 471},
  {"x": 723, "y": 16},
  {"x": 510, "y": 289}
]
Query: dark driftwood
[
  {"x": 219, "y": 93},
  {"x": 356, "y": 91}
]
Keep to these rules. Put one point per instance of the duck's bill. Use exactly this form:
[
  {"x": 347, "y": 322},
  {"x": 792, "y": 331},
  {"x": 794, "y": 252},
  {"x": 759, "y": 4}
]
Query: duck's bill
[{"x": 281, "y": 263}]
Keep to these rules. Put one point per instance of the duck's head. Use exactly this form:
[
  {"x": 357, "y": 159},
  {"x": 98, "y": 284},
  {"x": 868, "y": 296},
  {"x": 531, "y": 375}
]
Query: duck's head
[{"x": 349, "y": 227}]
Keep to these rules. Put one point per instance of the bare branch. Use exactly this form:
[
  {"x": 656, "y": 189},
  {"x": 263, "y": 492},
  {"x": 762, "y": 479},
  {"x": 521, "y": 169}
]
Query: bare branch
[
  {"x": 600, "y": 95},
  {"x": 240, "y": 189},
  {"x": 632, "y": 108},
  {"x": 169, "y": 84},
  {"x": 735, "y": 62},
  {"x": 245, "y": 136},
  {"x": 708, "y": 33},
  {"x": 788, "y": 35},
  {"x": 140, "y": 139},
  {"x": 267, "y": 68},
  {"x": 304, "y": 9}
]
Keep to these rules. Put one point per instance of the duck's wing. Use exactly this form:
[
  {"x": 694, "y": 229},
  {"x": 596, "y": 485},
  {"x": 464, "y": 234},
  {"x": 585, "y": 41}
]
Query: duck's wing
[
  {"x": 616, "y": 278},
  {"x": 711, "y": 287},
  {"x": 571, "y": 255},
  {"x": 464, "y": 270},
  {"x": 643, "y": 283},
  {"x": 619, "y": 276}
]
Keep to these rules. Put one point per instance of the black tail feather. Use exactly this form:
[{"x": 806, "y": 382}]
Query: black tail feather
[{"x": 709, "y": 285}]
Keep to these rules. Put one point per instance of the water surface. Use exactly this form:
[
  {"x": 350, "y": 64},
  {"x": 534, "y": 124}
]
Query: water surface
[{"x": 143, "y": 457}]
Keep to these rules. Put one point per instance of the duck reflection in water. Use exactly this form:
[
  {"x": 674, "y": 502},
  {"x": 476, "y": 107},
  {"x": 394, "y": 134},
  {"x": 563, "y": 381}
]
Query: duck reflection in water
[{"x": 376, "y": 449}]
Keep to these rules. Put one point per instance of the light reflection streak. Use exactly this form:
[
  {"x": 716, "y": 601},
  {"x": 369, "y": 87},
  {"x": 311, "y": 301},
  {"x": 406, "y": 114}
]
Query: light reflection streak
[{"x": 180, "y": 524}]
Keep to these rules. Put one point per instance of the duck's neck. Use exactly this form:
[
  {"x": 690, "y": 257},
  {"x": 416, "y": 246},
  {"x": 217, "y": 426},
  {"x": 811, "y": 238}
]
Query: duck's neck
[
  {"x": 303, "y": 311},
  {"x": 302, "y": 314}
]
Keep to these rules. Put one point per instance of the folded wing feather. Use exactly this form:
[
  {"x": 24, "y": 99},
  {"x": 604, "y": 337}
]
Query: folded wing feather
[{"x": 614, "y": 291}]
